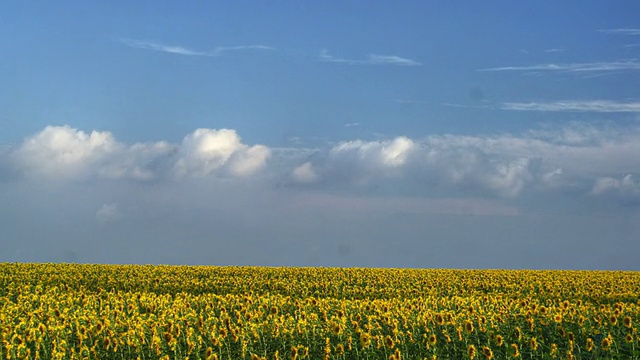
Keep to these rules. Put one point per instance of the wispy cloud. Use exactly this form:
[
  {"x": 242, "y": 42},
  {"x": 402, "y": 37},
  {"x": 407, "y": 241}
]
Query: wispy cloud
[
  {"x": 180, "y": 50},
  {"x": 633, "y": 65},
  {"x": 146, "y": 45},
  {"x": 554, "y": 50},
  {"x": 602, "y": 106},
  {"x": 405, "y": 101},
  {"x": 625, "y": 31},
  {"x": 372, "y": 59}
]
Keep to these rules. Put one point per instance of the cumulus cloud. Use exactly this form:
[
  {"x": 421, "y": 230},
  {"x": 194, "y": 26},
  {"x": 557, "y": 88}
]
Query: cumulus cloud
[
  {"x": 65, "y": 153},
  {"x": 372, "y": 59},
  {"x": 206, "y": 150},
  {"x": 625, "y": 187},
  {"x": 304, "y": 173},
  {"x": 390, "y": 154},
  {"x": 503, "y": 165}
]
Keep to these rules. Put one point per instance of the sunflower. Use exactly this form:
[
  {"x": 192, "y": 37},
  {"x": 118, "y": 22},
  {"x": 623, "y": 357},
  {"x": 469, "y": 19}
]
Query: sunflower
[
  {"x": 542, "y": 310},
  {"x": 439, "y": 319},
  {"x": 433, "y": 339},
  {"x": 486, "y": 351},
  {"x": 589, "y": 344},
  {"x": 626, "y": 321},
  {"x": 365, "y": 339},
  {"x": 471, "y": 351},
  {"x": 294, "y": 353},
  {"x": 468, "y": 326},
  {"x": 388, "y": 341},
  {"x": 628, "y": 338},
  {"x": 304, "y": 352},
  {"x": 533, "y": 344},
  {"x": 606, "y": 344},
  {"x": 613, "y": 320},
  {"x": 499, "y": 340},
  {"x": 514, "y": 350}
]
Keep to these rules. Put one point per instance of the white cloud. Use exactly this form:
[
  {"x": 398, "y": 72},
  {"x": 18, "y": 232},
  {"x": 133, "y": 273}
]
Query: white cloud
[
  {"x": 603, "y": 106},
  {"x": 625, "y": 186},
  {"x": 372, "y": 59},
  {"x": 501, "y": 165},
  {"x": 396, "y": 152},
  {"x": 249, "y": 160},
  {"x": 304, "y": 173},
  {"x": 171, "y": 49},
  {"x": 570, "y": 158},
  {"x": 391, "y": 60},
  {"x": 141, "y": 161},
  {"x": 377, "y": 153},
  {"x": 180, "y": 50},
  {"x": 626, "y": 31},
  {"x": 631, "y": 65},
  {"x": 206, "y": 150},
  {"x": 65, "y": 153}
]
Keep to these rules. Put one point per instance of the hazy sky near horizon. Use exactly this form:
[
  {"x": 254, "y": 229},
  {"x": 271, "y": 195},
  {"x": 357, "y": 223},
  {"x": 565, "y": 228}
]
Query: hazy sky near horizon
[{"x": 343, "y": 133}]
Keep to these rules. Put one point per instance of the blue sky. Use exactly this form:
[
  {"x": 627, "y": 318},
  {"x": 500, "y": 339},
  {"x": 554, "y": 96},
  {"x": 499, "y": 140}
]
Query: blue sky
[{"x": 419, "y": 134}]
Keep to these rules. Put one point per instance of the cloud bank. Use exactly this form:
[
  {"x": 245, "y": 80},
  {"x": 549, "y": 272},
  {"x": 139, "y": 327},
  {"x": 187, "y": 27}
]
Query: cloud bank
[
  {"x": 547, "y": 198},
  {"x": 503, "y": 166}
]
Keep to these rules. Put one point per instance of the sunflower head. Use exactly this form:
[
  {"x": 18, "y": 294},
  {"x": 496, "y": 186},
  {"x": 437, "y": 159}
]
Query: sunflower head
[
  {"x": 589, "y": 344},
  {"x": 629, "y": 338},
  {"x": 486, "y": 351},
  {"x": 468, "y": 326},
  {"x": 388, "y": 342},
  {"x": 471, "y": 351}
]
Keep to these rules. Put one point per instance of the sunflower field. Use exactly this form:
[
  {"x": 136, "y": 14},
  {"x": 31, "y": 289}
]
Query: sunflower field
[{"x": 72, "y": 311}]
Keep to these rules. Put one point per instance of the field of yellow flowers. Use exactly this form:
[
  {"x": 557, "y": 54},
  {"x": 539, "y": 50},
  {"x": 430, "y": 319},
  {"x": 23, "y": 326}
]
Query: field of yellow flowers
[{"x": 70, "y": 311}]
